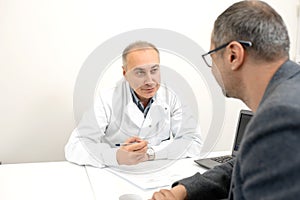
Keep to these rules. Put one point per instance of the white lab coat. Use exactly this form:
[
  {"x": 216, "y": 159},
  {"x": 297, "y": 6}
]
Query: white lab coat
[{"x": 168, "y": 127}]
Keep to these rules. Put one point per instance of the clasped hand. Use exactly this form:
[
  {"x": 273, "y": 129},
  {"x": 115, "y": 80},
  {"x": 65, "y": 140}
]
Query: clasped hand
[{"x": 133, "y": 153}]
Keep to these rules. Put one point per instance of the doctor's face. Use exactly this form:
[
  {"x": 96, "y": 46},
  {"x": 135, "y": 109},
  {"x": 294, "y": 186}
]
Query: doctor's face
[{"x": 143, "y": 72}]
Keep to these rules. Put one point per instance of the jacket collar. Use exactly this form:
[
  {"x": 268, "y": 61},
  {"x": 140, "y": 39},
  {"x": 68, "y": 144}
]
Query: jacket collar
[{"x": 286, "y": 71}]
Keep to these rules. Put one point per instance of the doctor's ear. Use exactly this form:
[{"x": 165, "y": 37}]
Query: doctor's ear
[{"x": 124, "y": 70}]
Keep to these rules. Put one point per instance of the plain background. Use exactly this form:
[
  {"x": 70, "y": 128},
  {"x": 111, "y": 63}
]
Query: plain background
[{"x": 43, "y": 45}]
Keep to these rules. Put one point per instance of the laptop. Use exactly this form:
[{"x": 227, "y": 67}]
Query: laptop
[{"x": 244, "y": 118}]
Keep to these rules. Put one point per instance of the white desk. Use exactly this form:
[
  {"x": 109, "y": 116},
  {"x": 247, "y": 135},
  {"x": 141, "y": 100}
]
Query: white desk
[
  {"x": 107, "y": 185},
  {"x": 52, "y": 180},
  {"x": 64, "y": 180}
]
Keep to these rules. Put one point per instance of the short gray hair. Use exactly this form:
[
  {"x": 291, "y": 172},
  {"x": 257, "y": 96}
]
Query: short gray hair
[
  {"x": 257, "y": 22},
  {"x": 135, "y": 46}
]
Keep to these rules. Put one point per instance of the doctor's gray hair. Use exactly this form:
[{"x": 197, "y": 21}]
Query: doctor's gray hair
[
  {"x": 136, "y": 46},
  {"x": 257, "y": 22}
]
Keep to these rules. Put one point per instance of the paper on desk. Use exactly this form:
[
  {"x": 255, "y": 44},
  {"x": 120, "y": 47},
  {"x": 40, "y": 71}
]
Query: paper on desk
[{"x": 145, "y": 177}]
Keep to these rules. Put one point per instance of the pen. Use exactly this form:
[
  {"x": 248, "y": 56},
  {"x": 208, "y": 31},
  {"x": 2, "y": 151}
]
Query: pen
[{"x": 124, "y": 144}]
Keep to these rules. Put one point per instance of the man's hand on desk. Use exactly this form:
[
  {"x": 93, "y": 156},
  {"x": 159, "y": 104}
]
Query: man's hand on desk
[
  {"x": 135, "y": 144},
  {"x": 133, "y": 152},
  {"x": 176, "y": 193}
]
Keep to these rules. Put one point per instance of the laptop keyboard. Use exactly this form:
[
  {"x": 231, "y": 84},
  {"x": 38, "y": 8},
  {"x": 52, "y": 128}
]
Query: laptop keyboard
[{"x": 222, "y": 159}]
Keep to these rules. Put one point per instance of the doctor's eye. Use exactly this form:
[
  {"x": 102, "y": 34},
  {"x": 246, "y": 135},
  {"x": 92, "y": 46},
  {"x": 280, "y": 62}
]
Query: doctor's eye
[
  {"x": 155, "y": 69},
  {"x": 140, "y": 73}
]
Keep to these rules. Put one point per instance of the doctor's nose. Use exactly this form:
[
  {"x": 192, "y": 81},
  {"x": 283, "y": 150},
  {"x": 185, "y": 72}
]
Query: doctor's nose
[{"x": 149, "y": 79}]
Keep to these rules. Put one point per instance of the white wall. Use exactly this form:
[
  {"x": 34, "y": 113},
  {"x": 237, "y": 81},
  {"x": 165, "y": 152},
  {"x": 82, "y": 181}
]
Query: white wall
[{"x": 43, "y": 45}]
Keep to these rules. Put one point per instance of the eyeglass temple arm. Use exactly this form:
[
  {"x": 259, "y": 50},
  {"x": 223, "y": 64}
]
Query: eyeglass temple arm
[{"x": 246, "y": 43}]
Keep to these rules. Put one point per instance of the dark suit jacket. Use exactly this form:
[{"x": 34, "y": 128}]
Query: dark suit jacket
[{"x": 268, "y": 163}]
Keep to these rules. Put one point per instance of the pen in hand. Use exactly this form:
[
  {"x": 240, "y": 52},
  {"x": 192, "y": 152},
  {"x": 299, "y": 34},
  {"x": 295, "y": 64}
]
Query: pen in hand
[
  {"x": 124, "y": 144},
  {"x": 134, "y": 144}
]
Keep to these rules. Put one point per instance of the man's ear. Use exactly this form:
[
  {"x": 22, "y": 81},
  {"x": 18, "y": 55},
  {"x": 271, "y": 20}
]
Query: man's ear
[
  {"x": 124, "y": 71},
  {"x": 236, "y": 55}
]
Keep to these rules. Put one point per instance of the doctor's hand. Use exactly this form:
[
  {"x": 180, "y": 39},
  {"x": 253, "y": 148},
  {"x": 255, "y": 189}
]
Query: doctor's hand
[
  {"x": 135, "y": 144},
  {"x": 130, "y": 157}
]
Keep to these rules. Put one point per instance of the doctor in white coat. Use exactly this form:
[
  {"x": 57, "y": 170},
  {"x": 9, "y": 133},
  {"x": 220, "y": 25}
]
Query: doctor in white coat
[{"x": 137, "y": 120}]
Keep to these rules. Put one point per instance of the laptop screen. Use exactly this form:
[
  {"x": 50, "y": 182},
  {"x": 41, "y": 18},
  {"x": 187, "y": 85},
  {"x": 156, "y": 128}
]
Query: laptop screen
[{"x": 244, "y": 118}]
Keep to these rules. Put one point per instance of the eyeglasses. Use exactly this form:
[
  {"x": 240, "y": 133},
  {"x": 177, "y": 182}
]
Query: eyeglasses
[{"x": 207, "y": 58}]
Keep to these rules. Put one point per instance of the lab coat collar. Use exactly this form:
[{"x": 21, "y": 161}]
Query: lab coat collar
[
  {"x": 139, "y": 104},
  {"x": 156, "y": 113}
]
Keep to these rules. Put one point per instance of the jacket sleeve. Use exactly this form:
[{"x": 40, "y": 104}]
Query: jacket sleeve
[
  {"x": 85, "y": 146},
  {"x": 213, "y": 184},
  {"x": 186, "y": 138}
]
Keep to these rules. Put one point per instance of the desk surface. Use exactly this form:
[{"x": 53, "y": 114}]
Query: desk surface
[
  {"x": 107, "y": 184},
  {"x": 51, "y": 180},
  {"x": 64, "y": 180}
]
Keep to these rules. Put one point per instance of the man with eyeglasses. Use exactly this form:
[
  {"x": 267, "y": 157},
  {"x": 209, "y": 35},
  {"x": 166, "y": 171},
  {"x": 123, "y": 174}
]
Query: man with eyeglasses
[
  {"x": 138, "y": 120},
  {"x": 250, "y": 61}
]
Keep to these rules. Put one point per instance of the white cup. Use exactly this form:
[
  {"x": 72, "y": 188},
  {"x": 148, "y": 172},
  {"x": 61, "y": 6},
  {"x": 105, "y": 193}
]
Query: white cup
[{"x": 130, "y": 197}]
